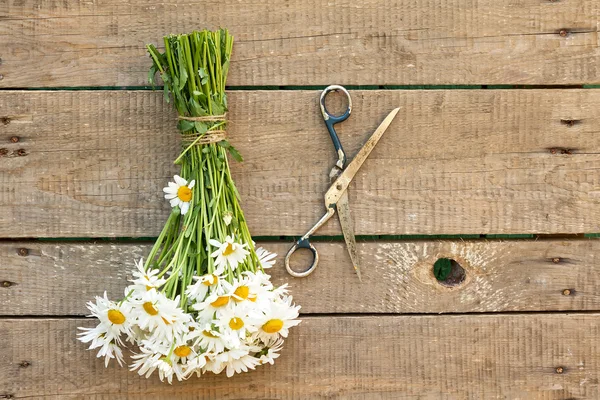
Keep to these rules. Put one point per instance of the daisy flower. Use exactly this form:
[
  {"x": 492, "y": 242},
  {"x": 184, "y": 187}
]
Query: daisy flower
[
  {"x": 277, "y": 320},
  {"x": 199, "y": 289},
  {"x": 265, "y": 258},
  {"x": 110, "y": 350},
  {"x": 213, "y": 364},
  {"x": 270, "y": 352},
  {"x": 229, "y": 252},
  {"x": 145, "y": 362},
  {"x": 208, "y": 308},
  {"x": 145, "y": 280},
  {"x": 209, "y": 339},
  {"x": 179, "y": 193},
  {"x": 234, "y": 320},
  {"x": 196, "y": 364},
  {"x": 114, "y": 319},
  {"x": 160, "y": 315},
  {"x": 237, "y": 360}
]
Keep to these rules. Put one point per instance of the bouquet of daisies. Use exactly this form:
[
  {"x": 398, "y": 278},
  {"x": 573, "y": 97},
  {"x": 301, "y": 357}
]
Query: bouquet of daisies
[{"x": 201, "y": 301}]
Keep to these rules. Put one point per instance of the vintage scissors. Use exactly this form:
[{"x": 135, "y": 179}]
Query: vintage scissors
[{"x": 336, "y": 197}]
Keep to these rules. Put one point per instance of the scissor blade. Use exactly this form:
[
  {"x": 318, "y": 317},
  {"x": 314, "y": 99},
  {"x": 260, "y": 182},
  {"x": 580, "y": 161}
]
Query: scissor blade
[
  {"x": 341, "y": 183},
  {"x": 348, "y": 230}
]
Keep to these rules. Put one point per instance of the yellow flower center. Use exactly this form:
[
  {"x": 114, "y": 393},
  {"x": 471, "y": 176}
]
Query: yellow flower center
[
  {"x": 242, "y": 293},
  {"x": 149, "y": 308},
  {"x": 211, "y": 281},
  {"x": 236, "y": 323},
  {"x": 184, "y": 193},
  {"x": 116, "y": 317},
  {"x": 182, "y": 351},
  {"x": 220, "y": 301},
  {"x": 208, "y": 334},
  {"x": 228, "y": 250},
  {"x": 272, "y": 326}
]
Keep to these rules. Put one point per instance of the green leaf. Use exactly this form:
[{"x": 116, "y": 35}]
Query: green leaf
[
  {"x": 196, "y": 109},
  {"x": 166, "y": 94},
  {"x": 184, "y": 125},
  {"x": 201, "y": 127},
  {"x": 442, "y": 269},
  {"x": 235, "y": 154},
  {"x": 202, "y": 73},
  {"x": 224, "y": 144},
  {"x": 217, "y": 108},
  {"x": 152, "y": 74}
]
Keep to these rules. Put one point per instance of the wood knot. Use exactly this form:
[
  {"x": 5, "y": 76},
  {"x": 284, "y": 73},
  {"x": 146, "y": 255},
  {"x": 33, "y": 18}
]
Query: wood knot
[
  {"x": 3, "y": 152},
  {"x": 5, "y": 120},
  {"x": 23, "y": 252},
  {"x": 24, "y": 364}
]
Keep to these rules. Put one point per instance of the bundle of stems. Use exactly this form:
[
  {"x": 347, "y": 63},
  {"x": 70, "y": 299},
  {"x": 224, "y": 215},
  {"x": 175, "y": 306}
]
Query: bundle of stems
[
  {"x": 201, "y": 301},
  {"x": 194, "y": 70}
]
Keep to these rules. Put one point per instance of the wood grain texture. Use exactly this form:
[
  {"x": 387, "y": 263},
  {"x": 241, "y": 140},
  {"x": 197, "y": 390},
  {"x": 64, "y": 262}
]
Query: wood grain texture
[
  {"x": 92, "y": 164},
  {"x": 311, "y": 42},
  {"x": 442, "y": 357},
  {"x": 59, "y": 278}
]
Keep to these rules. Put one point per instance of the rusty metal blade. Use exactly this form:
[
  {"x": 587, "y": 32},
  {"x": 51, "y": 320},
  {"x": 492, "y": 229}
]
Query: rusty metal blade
[
  {"x": 341, "y": 183},
  {"x": 347, "y": 224}
]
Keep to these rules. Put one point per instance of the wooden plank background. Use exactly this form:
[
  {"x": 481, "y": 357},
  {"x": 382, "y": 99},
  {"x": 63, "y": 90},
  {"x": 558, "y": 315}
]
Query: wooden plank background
[
  {"x": 92, "y": 164},
  {"x": 83, "y": 164},
  {"x": 386, "y": 357},
  {"x": 311, "y": 42},
  {"x": 54, "y": 278}
]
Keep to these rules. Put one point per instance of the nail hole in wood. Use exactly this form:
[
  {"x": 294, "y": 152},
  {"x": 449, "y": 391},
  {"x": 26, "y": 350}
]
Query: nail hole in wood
[
  {"x": 448, "y": 272},
  {"x": 14, "y": 139},
  {"x": 563, "y": 32},
  {"x": 24, "y": 364},
  {"x": 7, "y": 284},
  {"x": 23, "y": 252},
  {"x": 560, "y": 370},
  {"x": 570, "y": 122},
  {"x": 568, "y": 292},
  {"x": 5, "y": 120}
]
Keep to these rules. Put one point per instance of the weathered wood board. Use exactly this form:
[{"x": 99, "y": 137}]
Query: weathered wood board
[
  {"x": 312, "y": 42},
  {"x": 92, "y": 164},
  {"x": 380, "y": 357},
  {"x": 59, "y": 278}
]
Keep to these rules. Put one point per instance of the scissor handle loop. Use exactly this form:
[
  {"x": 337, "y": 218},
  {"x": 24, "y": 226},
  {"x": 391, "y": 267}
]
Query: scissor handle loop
[
  {"x": 331, "y": 120},
  {"x": 302, "y": 244}
]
